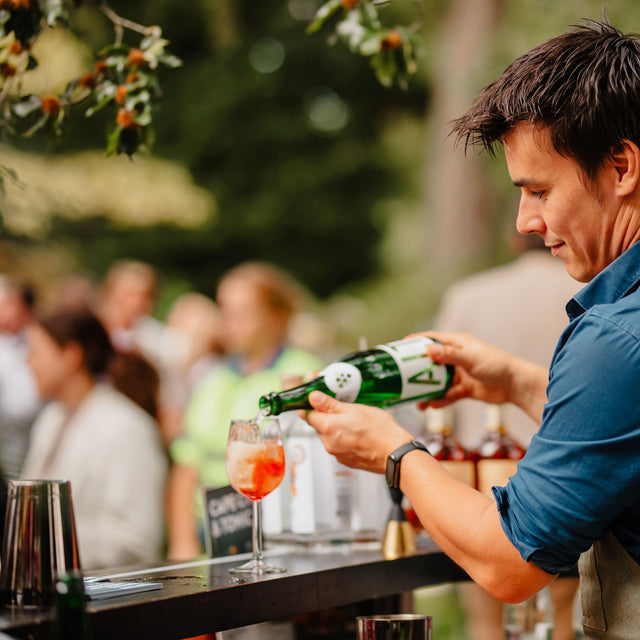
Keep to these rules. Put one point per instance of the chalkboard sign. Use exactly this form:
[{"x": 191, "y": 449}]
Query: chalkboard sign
[{"x": 228, "y": 517}]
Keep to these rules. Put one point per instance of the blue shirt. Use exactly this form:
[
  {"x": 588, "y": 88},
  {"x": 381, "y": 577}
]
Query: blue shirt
[{"x": 581, "y": 474}]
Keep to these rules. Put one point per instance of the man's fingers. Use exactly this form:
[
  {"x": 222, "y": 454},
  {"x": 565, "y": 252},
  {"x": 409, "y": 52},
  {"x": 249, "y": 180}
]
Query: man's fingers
[{"x": 323, "y": 402}]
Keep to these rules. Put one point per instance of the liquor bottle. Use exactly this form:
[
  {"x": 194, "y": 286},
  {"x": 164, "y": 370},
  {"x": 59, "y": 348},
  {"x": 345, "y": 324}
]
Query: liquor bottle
[
  {"x": 302, "y": 502},
  {"x": 386, "y": 375},
  {"x": 496, "y": 454},
  {"x": 70, "y": 619},
  {"x": 444, "y": 447}
]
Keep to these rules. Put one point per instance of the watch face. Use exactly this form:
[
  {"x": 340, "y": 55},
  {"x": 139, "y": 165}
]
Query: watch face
[{"x": 390, "y": 471}]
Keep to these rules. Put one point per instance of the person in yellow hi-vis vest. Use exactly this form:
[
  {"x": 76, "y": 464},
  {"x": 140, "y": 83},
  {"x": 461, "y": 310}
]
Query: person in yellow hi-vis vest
[{"x": 257, "y": 302}]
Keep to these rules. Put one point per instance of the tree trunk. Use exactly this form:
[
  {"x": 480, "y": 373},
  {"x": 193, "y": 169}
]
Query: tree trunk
[{"x": 457, "y": 200}]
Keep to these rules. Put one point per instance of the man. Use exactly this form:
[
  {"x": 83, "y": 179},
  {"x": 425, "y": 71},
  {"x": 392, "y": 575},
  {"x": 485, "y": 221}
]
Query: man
[
  {"x": 568, "y": 116},
  {"x": 519, "y": 307}
]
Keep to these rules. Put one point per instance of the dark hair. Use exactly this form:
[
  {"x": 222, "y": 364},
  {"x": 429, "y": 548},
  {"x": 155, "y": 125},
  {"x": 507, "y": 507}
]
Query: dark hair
[
  {"x": 23, "y": 289},
  {"x": 135, "y": 377},
  {"x": 583, "y": 86},
  {"x": 130, "y": 373},
  {"x": 83, "y": 328}
]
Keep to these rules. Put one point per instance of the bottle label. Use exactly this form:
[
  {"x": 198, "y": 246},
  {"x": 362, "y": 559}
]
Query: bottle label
[
  {"x": 302, "y": 490},
  {"x": 421, "y": 376},
  {"x": 343, "y": 380},
  {"x": 493, "y": 473},
  {"x": 463, "y": 470}
]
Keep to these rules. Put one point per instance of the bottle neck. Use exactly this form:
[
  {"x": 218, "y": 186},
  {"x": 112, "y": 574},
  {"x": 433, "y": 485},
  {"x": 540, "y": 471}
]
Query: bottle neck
[{"x": 493, "y": 419}]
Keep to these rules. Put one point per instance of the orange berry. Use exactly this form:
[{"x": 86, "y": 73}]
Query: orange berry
[
  {"x": 131, "y": 78},
  {"x": 7, "y": 70},
  {"x": 136, "y": 57},
  {"x": 100, "y": 66},
  {"x": 121, "y": 92},
  {"x": 392, "y": 40},
  {"x": 88, "y": 81},
  {"x": 16, "y": 47},
  {"x": 51, "y": 105},
  {"x": 349, "y": 4},
  {"x": 125, "y": 119}
]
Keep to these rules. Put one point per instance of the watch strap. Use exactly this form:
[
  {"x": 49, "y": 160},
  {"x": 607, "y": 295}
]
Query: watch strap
[{"x": 393, "y": 461}]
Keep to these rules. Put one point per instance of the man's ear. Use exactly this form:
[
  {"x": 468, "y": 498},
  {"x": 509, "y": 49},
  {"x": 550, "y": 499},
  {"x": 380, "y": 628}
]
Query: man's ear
[{"x": 626, "y": 163}]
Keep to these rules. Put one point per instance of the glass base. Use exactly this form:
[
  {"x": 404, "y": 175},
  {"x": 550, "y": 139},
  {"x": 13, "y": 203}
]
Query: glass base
[{"x": 257, "y": 566}]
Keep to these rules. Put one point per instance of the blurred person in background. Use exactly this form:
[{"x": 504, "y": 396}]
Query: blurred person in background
[
  {"x": 19, "y": 401},
  {"x": 196, "y": 318},
  {"x": 99, "y": 440},
  {"x": 257, "y": 302},
  {"x": 75, "y": 291},
  {"x": 518, "y": 307},
  {"x": 126, "y": 301},
  {"x": 125, "y": 304}
]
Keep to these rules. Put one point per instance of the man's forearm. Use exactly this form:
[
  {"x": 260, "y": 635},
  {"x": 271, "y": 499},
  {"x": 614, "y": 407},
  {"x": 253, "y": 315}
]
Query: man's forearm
[
  {"x": 528, "y": 389},
  {"x": 465, "y": 524}
]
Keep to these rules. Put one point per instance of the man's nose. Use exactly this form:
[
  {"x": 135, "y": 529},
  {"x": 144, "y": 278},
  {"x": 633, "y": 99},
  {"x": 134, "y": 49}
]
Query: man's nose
[{"x": 529, "y": 220}]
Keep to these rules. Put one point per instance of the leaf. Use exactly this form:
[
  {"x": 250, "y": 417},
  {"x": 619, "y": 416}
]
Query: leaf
[
  {"x": 371, "y": 45},
  {"x": 133, "y": 100},
  {"x": 385, "y": 68},
  {"x": 170, "y": 61},
  {"x": 113, "y": 141},
  {"x": 144, "y": 118},
  {"x": 112, "y": 49},
  {"x": 55, "y": 11},
  {"x": 102, "y": 102},
  {"x": 27, "y": 106},
  {"x": 323, "y": 13},
  {"x": 155, "y": 47},
  {"x": 369, "y": 15}
]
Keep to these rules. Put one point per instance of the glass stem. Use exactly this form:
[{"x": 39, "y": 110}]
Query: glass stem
[{"x": 257, "y": 532}]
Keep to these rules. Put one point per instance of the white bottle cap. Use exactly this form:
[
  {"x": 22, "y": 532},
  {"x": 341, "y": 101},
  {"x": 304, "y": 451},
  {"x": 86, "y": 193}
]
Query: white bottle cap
[
  {"x": 436, "y": 420},
  {"x": 493, "y": 417}
]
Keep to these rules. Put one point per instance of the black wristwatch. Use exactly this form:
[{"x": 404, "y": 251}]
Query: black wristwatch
[{"x": 392, "y": 474}]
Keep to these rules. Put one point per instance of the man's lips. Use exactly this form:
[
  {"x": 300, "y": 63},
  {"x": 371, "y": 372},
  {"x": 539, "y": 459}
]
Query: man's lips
[{"x": 555, "y": 248}]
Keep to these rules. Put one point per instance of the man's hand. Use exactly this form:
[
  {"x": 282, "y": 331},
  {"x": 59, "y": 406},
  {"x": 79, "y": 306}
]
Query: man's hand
[
  {"x": 357, "y": 435},
  {"x": 484, "y": 372}
]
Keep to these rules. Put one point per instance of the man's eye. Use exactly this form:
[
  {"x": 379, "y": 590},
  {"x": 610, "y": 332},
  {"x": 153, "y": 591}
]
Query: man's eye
[{"x": 537, "y": 194}]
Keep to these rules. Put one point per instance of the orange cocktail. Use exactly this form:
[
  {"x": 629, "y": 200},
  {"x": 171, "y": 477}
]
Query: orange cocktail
[{"x": 255, "y": 469}]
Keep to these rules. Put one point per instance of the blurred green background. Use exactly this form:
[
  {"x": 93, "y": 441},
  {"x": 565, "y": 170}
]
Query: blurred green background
[{"x": 273, "y": 145}]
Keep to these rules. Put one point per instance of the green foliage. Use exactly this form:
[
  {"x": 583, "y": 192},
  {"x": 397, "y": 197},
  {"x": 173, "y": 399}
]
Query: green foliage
[
  {"x": 293, "y": 156},
  {"x": 391, "y": 50},
  {"x": 123, "y": 75}
]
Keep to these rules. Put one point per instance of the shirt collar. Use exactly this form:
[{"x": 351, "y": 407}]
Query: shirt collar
[{"x": 613, "y": 283}]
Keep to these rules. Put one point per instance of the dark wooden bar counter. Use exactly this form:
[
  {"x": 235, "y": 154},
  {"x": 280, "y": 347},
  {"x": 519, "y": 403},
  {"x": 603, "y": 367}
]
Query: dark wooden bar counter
[{"x": 203, "y": 597}]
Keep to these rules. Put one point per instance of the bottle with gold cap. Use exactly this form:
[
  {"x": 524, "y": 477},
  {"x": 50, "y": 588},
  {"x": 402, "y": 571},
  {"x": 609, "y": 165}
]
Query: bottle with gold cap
[
  {"x": 445, "y": 448},
  {"x": 496, "y": 454}
]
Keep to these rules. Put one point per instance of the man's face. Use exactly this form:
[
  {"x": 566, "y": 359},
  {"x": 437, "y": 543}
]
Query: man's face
[{"x": 580, "y": 223}]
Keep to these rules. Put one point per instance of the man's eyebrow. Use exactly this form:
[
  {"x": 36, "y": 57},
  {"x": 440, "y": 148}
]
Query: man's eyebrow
[{"x": 523, "y": 182}]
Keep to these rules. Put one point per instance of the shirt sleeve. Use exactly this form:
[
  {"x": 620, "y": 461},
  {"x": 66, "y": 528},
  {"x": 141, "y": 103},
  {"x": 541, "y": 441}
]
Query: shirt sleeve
[{"x": 581, "y": 472}]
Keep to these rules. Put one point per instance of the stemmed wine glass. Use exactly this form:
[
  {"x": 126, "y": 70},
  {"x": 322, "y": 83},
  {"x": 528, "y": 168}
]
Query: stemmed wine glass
[{"x": 255, "y": 467}]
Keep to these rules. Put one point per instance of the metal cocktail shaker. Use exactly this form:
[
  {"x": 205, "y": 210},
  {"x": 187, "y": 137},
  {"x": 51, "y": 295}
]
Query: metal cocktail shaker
[
  {"x": 401, "y": 626},
  {"x": 39, "y": 542}
]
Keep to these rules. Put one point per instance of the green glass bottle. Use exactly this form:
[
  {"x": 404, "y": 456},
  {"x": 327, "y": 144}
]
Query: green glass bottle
[
  {"x": 70, "y": 621},
  {"x": 391, "y": 373}
]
